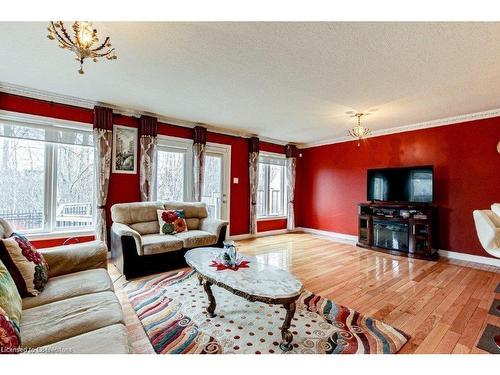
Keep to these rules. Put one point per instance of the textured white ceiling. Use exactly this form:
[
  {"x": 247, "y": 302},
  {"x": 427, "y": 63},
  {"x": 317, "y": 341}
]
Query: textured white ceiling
[{"x": 295, "y": 82}]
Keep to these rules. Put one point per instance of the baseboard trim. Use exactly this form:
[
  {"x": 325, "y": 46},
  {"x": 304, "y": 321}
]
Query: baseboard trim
[
  {"x": 339, "y": 237},
  {"x": 247, "y": 236},
  {"x": 350, "y": 239},
  {"x": 469, "y": 258}
]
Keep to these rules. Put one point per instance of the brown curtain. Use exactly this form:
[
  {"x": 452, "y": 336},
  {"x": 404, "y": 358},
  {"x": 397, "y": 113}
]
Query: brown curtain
[
  {"x": 253, "y": 148},
  {"x": 199, "y": 145},
  {"x": 148, "y": 132},
  {"x": 103, "y": 143},
  {"x": 291, "y": 164}
]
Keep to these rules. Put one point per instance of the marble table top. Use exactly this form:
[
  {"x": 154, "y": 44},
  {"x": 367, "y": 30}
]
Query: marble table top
[{"x": 259, "y": 279}]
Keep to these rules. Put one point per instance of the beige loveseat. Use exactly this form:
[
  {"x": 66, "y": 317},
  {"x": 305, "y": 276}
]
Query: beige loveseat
[
  {"x": 78, "y": 311},
  {"x": 138, "y": 248}
]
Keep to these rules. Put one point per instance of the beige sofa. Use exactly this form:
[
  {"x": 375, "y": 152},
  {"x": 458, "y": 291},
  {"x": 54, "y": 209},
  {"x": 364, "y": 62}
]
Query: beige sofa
[
  {"x": 78, "y": 311},
  {"x": 138, "y": 248}
]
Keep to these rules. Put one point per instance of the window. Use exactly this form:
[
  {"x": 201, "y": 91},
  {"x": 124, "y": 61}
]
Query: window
[
  {"x": 271, "y": 195},
  {"x": 173, "y": 169},
  {"x": 47, "y": 179},
  {"x": 75, "y": 186},
  {"x": 174, "y": 174}
]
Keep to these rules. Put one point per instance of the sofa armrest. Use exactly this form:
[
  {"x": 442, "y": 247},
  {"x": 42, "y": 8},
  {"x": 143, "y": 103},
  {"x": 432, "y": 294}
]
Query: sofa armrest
[
  {"x": 213, "y": 226},
  {"x": 76, "y": 257},
  {"x": 124, "y": 230},
  {"x": 488, "y": 230}
]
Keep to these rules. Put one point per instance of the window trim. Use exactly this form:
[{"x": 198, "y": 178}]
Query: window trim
[
  {"x": 267, "y": 217},
  {"x": 58, "y": 234},
  {"x": 49, "y": 229}
]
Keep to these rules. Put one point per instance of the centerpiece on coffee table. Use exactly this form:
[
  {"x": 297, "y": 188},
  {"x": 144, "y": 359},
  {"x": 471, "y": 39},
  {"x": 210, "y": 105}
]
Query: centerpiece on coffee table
[
  {"x": 257, "y": 282},
  {"x": 229, "y": 258}
]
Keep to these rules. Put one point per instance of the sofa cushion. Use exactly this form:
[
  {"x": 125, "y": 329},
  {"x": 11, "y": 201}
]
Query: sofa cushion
[
  {"x": 196, "y": 238},
  {"x": 136, "y": 212},
  {"x": 56, "y": 321},
  {"x": 160, "y": 243},
  {"x": 193, "y": 223},
  {"x": 112, "y": 339},
  {"x": 10, "y": 300},
  {"x": 191, "y": 209},
  {"x": 71, "y": 285},
  {"x": 147, "y": 227},
  {"x": 76, "y": 257},
  {"x": 26, "y": 265}
]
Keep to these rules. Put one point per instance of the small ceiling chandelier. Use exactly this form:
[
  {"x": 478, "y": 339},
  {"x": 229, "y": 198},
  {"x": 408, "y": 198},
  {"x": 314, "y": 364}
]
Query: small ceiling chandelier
[
  {"x": 84, "y": 43},
  {"x": 359, "y": 131}
]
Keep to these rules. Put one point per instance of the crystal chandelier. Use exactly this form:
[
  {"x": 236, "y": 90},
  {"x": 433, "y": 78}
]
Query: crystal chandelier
[
  {"x": 359, "y": 131},
  {"x": 84, "y": 42}
]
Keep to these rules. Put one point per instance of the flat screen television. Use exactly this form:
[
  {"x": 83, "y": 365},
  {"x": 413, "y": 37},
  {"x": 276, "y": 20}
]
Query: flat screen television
[{"x": 409, "y": 184}]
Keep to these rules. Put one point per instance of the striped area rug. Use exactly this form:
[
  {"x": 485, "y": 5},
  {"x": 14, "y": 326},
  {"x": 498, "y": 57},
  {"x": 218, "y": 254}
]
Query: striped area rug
[{"x": 172, "y": 309}]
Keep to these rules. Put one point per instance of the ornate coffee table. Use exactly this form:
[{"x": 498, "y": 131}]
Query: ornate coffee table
[{"x": 259, "y": 282}]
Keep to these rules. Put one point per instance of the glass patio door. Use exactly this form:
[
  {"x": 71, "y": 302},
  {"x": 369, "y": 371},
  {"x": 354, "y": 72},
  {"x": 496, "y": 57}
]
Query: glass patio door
[{"x": 216, "y": 182}]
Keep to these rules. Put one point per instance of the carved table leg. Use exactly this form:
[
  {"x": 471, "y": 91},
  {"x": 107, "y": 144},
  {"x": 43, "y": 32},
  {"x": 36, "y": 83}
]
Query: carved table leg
[
  {"x": 211, "y": 299},
  {"x": 286, "y": 335},
  {"x": 200, "y": 279}
]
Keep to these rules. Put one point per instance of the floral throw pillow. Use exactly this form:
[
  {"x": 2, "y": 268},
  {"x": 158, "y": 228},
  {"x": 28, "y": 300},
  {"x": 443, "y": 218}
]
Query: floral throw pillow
[
  {"x": 10, "y": 312},
  {"x": 172, "y": 221},
  {"x": 9, "y": 339},
  {"x": 25, "y": 264}
]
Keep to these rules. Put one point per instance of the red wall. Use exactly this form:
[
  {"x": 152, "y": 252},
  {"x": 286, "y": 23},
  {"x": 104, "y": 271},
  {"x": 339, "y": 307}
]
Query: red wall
[
  {"x": 267, "y": 225},
  {"x": 125, "y": 187},
  {"x": 331, "y": 179},
  {"x": 51, "y": 242}
]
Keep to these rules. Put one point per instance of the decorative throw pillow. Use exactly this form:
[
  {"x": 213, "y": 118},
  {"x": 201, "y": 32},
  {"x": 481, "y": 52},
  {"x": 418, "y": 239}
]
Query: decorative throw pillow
[
  {"x": 9, "y": 338},
  {"x": 25, "y": 264},
  {"x": 172, "y": 221},
  {"x": 10, "y": 312}
]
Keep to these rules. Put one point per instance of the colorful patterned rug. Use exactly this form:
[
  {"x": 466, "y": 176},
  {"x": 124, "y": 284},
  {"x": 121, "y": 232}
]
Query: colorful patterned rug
[{"x": 172, "y": 309}]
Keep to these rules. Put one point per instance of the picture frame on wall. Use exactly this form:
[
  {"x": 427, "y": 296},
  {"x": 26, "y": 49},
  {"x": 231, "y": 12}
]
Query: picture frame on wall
[{"x": 124, "y": 157}]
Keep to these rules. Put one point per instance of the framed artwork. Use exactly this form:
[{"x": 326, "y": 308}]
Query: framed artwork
[{"x": 124, "y": 157}]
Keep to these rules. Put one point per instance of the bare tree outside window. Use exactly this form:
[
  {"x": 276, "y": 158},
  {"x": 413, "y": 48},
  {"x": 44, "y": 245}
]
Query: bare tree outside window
[
  {"x": 170, "y": 176},
  {"x": 39, "y": 163},
  {"x": 75, "y": 186},
  {"x": 22, "y": 182},
  {"x": 212, "y": 185}
]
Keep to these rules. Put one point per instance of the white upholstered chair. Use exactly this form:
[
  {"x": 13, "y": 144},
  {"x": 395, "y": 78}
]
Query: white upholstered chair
[{"x": 488, "y": 229}]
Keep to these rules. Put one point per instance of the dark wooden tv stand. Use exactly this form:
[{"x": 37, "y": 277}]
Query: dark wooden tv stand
[{"x": 397, "y": 228}]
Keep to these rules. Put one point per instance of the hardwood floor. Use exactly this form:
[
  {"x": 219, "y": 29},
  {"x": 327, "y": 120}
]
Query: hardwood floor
[{"x": 443, "y": 305}]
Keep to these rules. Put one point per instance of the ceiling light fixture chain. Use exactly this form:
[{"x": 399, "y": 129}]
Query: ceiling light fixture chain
[
  {"x": 85, "y": 42},
  {"x": 359, "y": 131}
]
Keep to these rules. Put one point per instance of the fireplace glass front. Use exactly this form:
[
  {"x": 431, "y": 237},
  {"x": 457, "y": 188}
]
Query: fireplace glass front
[{"x": 390, "y": 235}]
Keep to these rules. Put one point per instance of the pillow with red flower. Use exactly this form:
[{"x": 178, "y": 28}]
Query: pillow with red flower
[
  {"x": 9, "y": 338},
  {"x": 10, "y": 313},
  {"x": 172, "y": 221},
  {"x": 25, "y": 264}
]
